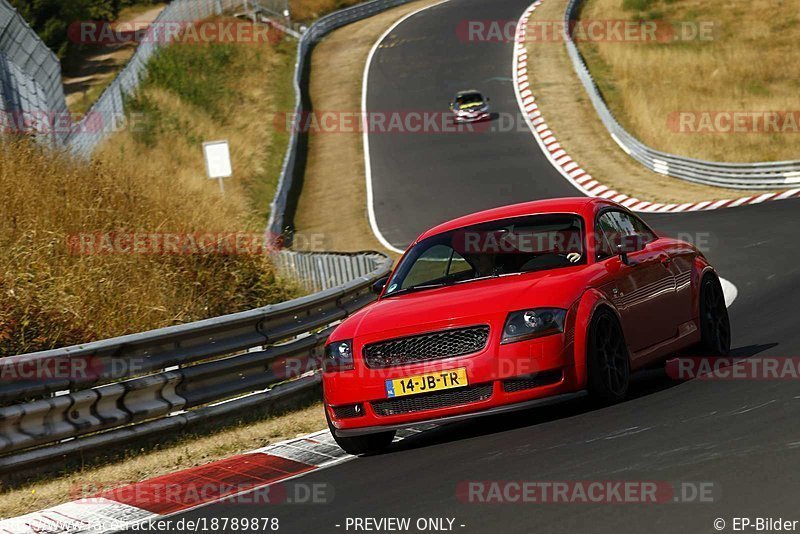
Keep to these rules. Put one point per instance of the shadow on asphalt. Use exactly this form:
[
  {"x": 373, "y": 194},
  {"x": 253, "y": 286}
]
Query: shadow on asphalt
[{"x": 643, "y": 383}]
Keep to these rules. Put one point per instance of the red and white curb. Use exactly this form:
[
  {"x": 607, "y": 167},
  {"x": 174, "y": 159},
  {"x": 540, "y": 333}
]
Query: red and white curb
[
  {"x": 572, "y": 171},
  {"x": 231, "y": 479}
]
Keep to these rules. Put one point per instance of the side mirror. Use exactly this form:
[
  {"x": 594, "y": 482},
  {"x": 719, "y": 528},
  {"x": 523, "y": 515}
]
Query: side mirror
[
  {"x": 629, "y": 245},
  {"x": 378, "y": 286},
  {"x": 452, "y": 105}
]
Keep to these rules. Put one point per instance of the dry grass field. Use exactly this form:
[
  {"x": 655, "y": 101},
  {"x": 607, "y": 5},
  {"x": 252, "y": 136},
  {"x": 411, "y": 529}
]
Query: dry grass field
[
  {"x": 743, "y": 58},
  {"x": 574, "y": 121},
  {"x": 147, "y": 179},
  {"x": 308, "y": 10}
]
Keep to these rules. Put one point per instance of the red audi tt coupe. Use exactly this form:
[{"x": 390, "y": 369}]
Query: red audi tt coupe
[{"x": 515, "y": 307}]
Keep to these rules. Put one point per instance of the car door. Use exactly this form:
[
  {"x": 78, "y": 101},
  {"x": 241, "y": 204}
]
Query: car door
[
  {"x": 681, "y": 261},
  {"x": 643, "y": 289}
]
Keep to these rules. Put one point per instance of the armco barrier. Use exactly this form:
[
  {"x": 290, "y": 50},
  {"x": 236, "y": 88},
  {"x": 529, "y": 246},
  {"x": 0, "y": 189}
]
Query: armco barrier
[
  {"x": 765, "y": 175},
  {"x": 82, "y": 398}
]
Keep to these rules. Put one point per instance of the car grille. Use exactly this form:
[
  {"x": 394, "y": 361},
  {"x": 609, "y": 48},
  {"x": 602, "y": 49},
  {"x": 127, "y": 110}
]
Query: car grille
[
  {"x": 426, "y": 347},
  {"x": 432, "y": 401},
  {"x": 533, "y": 381}
]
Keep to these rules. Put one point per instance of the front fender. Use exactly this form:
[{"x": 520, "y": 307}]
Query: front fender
[{"x": 590, "y": 301}]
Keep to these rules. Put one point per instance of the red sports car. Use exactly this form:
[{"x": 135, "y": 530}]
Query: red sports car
[{"x": 515, "y": 307}]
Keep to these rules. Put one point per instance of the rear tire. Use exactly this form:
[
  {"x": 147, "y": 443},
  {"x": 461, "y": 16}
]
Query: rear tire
[
  {"x": 358, "y": 445},
  {"x": 715, "y": 326},
  {"x": 607, "y": 358}
]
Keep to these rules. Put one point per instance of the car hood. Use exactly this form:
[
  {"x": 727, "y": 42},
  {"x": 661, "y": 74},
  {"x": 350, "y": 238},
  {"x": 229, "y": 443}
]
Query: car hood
[{"x": 482, "y": 301}]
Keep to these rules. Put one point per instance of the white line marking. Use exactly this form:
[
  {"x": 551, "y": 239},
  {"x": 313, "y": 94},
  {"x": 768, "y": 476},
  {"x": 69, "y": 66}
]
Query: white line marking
[
  {"x": 729, "y": 290},
  {"x": 373, "y": 221}
]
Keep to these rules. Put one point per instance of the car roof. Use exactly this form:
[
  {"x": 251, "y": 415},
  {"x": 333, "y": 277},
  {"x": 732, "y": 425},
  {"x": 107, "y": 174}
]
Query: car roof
[
  {"x": 468, "y": 92},
  {"x": 556, "y": 205}
]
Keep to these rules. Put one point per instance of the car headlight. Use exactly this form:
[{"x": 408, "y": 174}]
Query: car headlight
[
  {"x": 538, "y": 322},
  {"x": 338, "y": 356}
]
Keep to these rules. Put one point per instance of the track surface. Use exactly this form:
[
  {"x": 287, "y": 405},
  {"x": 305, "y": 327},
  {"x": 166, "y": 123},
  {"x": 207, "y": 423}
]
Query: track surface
[{"x": 743, "y": 436}]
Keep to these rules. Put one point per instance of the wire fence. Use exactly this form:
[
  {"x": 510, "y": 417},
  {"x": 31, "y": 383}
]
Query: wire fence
[
  {"x": 31, "y": 91},
  {"x": 109, "y": 109}
]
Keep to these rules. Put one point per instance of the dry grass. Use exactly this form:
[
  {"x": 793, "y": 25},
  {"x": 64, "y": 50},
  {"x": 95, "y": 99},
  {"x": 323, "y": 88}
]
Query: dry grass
[
  {"x": 145, "y": 181},
  {"x": 192, "y": 451},
  {"x": 333, "y": 201},
  {"x": 308, "y": 10},
  {"x": 572, "y": 118},
  {"x": 749, "y": 64}
]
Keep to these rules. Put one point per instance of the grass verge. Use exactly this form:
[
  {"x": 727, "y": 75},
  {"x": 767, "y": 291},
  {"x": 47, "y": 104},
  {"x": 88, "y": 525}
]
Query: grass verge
[
  {"x": 149, "y": 178},
  {"x": 573, "y": 120},
  {"x": 716, "y": 58}
]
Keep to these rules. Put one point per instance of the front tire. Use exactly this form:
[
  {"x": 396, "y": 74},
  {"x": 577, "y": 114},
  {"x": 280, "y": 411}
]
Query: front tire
[
  {"x": 608, "y": 361},
  {"x": 715, "y": 326},
  {"x": 358, "y": 445}
]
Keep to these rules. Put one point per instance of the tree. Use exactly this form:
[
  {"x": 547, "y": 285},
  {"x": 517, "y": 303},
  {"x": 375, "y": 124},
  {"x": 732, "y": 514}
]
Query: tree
[{"x": 52, "y": 18}]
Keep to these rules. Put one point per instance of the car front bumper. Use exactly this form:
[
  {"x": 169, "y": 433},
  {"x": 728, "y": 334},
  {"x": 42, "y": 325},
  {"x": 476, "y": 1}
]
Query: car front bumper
[
  {"x": 472, "y": 117},
  {"x": 500, "y": 378}
]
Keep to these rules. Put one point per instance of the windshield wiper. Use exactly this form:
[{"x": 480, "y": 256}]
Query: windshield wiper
[
  {"x": 418, "y": 288},
  {"x": 441, "y": 284}
]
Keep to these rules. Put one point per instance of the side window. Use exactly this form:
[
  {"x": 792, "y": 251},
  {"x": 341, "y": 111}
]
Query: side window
[
  {"x": 613, "y": 226},
  {"x": 437, "y": 263},
  {"x": 607, "y": 232},
  {"x": 642, "y": 229}
]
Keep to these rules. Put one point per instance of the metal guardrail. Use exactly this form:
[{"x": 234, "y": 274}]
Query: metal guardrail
[
  {"x": 78, "y": 399},
  {"x": 284, "y": 204},
  {"x": 763, "y": 175}
]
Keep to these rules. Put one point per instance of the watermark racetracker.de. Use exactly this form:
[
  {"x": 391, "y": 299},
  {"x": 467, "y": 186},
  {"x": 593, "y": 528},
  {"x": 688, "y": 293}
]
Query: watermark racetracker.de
[
  {"x": 734, "y": 122},
  {"x": 616, "y": 492},
  {"x": 588, "y": 30}
]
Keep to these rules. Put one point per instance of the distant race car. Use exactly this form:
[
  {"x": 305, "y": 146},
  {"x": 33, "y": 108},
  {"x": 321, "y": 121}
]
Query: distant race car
[
  {"x": 514, "y": 307},
  {"x": 470, "y": 106}
]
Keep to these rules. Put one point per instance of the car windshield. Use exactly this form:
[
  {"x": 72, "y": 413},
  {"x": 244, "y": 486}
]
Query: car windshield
[
  {"x": 507, "y": 246},
  {"x": 468, "y": 100}
]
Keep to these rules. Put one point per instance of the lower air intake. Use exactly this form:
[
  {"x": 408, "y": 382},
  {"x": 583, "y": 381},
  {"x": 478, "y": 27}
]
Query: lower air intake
[{"x": 432, "y": 401}]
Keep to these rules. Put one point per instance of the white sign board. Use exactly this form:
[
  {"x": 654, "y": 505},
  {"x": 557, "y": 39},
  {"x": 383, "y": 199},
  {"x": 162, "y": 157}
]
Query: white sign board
[{"x": 218, "y": 159}]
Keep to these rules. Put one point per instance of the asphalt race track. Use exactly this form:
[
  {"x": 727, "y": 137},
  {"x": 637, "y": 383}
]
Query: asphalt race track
[{"x": 742, "y": 436}]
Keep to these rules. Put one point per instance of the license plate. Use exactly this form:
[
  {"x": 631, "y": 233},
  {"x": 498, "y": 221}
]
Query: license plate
[{"x": 414, "y": 385}]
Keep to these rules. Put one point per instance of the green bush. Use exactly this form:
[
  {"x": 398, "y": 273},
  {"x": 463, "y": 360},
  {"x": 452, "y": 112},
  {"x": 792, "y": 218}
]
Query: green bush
[{"x": 192, "y": 73}]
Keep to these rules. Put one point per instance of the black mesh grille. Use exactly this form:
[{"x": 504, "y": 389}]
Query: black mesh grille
[
  {"x": 431, "y": 401},
  {"x": 533, "y": 381},
  {"x": 348, "y": 411},
  {"x": 425, "y": 347}
]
